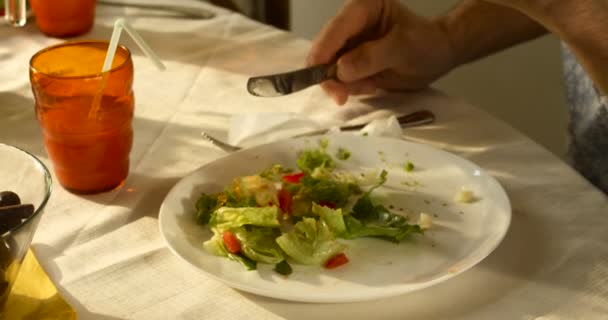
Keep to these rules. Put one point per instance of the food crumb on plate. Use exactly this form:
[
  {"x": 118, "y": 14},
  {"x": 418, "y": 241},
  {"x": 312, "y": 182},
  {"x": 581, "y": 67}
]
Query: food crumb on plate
[
  {"x": 464, "y": 196},
  {"x": 425, "y": 221}
]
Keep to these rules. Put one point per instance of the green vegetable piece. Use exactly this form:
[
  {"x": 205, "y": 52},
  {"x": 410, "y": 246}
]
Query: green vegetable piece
[
  {"x": 409, "y": 166},
  {"x": 233, "y": 200},
  {"x": 343, "y": 154},
  {"x": 316, "y": 158},
  {"x": 258, "y": 243},
  {"x": 333, "y": 218},
  {"x": 249, "y": 264},
  {"x": 275, "y": 173},
  {"x": 226, "y": 218},
  {"x": 325, "y": 190},
  {"x": 310, "y": 242},
  {"x": 323, "y": 143},
  {"x": 283, "y": 268},
  {"x": 365, "y": 209},
  {"x": 394, "y": 232},
  {"x": 370, "y": 220},
  {"x": 365, "y": 134},
  {"x": 205, "y": 205},
  {"x": 383, "y": 178},
  {"x": 216, "y": 246}
]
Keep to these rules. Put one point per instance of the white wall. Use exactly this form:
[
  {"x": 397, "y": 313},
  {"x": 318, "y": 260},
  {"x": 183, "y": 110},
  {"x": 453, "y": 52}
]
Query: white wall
[{"x": 522, "y": 85}]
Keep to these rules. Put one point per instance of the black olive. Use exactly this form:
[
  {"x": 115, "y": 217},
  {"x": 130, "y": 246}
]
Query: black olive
[
  {"x": 22, "y": 211},
  {"x": 11, "y": 216},
  {"x": 9, "y": 222},
  {"x": 5, "y": 257},
  {"x": 9, "y": 198}
]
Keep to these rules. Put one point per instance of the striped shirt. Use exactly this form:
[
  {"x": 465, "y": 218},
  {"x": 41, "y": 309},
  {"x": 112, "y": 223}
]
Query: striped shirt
[{"x": 588, "y": 127}]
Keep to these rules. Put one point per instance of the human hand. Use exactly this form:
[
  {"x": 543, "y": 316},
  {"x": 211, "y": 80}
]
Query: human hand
[{"x": 387, "y": 47}]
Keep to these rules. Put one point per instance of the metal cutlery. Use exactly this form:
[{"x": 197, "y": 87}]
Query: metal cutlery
[
  {"x": 281, "y": 84},
  {"x": 413, "y": 119}
]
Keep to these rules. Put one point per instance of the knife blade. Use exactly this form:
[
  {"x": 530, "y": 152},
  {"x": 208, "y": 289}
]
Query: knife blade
[{"x": 281, "y": 84}]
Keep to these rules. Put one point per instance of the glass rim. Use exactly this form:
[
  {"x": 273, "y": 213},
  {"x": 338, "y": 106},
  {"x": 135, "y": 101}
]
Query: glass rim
[
  {"x": 78, "y": 42},
  {"x": 48, "y": 181}
]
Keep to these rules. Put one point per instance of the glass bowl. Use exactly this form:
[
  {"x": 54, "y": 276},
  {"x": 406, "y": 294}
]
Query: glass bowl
[{"x": 22, "y": 173}]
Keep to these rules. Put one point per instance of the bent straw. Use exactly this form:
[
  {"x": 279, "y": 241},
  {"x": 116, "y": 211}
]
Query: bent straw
[{"x": 120, "y": 24}]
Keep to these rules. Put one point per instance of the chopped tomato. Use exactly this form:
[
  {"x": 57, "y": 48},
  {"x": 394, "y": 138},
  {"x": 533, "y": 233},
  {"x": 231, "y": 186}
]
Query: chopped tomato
[
  {"x": 328, "y": 204},
  {"x": 285, "y": 201},
  {"x": 231, "y": 242},
  {"x": 336, "y": 261},
  {"x": 293, "y": 178}
]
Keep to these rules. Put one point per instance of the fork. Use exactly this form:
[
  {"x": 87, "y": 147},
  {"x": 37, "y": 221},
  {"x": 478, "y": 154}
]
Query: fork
[{"x": 413, "y": 119}]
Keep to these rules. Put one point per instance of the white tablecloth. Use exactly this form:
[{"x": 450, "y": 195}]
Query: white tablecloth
[{"x": 107, "y": 257}]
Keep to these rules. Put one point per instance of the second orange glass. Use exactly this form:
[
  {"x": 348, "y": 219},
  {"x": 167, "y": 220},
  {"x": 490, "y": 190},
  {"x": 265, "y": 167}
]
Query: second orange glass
[
  {"x": 64, "y": 18},
  {"x": 85, "y": 116}
]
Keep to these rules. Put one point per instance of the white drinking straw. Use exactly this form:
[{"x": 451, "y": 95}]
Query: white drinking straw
[{"x": 120, "y": 24}]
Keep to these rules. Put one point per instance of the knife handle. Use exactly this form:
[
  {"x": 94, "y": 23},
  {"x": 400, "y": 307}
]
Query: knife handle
[{"x": 332, "y": 71}]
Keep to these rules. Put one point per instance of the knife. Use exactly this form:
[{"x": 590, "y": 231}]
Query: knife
[{"x": 276, "y": 85}]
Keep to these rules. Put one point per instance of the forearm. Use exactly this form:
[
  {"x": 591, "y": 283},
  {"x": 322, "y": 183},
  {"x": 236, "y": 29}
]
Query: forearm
[
  {"x": 477, "y": 28},
  {"x": 582, "y": 24}
]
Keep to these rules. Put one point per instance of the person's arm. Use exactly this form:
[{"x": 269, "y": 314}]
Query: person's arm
[
  {"x": 396, "y": 49},
  {"x": 582, "y": 24},
  {"x": 477, "y": 28}
]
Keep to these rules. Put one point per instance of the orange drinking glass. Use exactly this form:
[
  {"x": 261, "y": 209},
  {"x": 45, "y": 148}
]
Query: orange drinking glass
[
  {"x": 64, "y": 18},
  {"x": 85, "y": 115}
]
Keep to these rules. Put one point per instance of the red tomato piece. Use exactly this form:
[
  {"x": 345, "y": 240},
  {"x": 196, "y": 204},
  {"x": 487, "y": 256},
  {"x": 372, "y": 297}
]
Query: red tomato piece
[
  {"x": 293, "y": 178},
  {"x": 328, "y": 204},
  {"x": 285, "y": 201},
  {"x": 231, "y": 242},
  {"x": 336, "y": 261}
]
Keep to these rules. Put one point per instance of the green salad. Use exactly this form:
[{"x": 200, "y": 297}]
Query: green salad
[{"x": 282, "y": 216}]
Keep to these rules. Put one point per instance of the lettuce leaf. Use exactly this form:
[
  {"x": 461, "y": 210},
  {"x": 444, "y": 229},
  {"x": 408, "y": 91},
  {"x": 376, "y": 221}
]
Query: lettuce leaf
[
  {"x": 332, "y": 217},
  {"x": 207, "y": 204},
  {"x": 310, "y": 242},
  {"x": 258, "y": 243},
  {"x": 215, "y": 246},
  {"x": 226, "y": 218},
  {"x": 314, "y": 158}
]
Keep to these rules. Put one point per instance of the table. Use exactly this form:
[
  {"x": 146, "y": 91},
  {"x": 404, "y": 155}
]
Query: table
[{"x": 107, "y": 257}]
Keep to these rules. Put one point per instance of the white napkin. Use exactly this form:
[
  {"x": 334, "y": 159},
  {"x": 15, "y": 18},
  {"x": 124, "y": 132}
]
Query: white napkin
[
  {"x": 386, "y": 127},
  {"x": 260, "y": 128}
]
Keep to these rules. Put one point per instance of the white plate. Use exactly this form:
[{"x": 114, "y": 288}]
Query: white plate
[{"x": 462, "y": 234}]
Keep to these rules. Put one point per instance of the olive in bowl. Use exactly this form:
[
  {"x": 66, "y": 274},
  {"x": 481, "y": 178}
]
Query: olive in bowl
[{"x": 25, "y": 188}]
